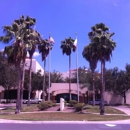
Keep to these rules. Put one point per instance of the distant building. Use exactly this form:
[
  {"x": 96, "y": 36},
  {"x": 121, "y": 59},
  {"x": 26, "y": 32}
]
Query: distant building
[
  {"x": 61, "y": 90},
  {"x": 13, "y": 92},
  {"x": 58, "y": 90},
  {"x": 35, "y": 65}
]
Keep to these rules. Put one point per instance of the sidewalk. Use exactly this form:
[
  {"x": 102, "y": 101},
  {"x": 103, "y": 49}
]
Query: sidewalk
[{"x": 125, "y": 109}]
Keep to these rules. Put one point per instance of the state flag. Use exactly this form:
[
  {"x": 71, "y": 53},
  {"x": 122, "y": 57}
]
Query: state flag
[
  {"x": 75, "y": 42},
  {"x": 51, "y": 40}
]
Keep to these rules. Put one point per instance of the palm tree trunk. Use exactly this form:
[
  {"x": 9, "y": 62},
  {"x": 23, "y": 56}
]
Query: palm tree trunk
[
  {"x": 7, "y": 98},
  {"x": 124, "y": 98},
  {"x": 43, "y": 89},
  {"x": 102, "y": 110},
  {"x": 30, "y": 78},
  {"x": 18, "y": 92},
  {"x": 93, "y": 88},
  {"x": 22, "y": 85},
  {"x": 70, "y": 76}
]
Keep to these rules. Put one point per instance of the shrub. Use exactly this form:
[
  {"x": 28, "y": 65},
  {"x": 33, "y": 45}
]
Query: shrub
[
  {"x": 79, "y": 106},
  {"x": 127, "y": 104},
  {"x": 54, "y": 101},
  {"x": 46, "y": 104},
  {"x": 72, "y": 103},
  {"x": 43, "y": 105},
  {"x": 118, "y": 104},
  {"x": 65, "y": 102},
  {"x": 50, "y": 103}
]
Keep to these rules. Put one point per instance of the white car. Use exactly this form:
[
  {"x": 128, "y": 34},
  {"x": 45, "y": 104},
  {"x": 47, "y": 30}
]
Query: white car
[
  {"x": 97, "y": 102},
  {"x": 33, "y": 101}
]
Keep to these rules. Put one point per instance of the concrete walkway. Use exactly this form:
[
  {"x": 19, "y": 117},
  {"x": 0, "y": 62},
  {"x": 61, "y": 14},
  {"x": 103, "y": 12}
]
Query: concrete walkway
[{"x": 125, "y": 109}]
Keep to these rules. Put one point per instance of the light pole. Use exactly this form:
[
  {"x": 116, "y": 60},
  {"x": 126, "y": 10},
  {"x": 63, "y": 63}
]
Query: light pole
[
  {"x": 77, "y": 66},
  {"x": 49, "y": 70},
  {"x": 51, "y": 42}
]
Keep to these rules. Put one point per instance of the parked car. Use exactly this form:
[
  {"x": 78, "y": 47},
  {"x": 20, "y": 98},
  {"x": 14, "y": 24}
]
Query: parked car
[
  {"x": 33, "y": 101},
  {"x": 97, "y": 102}
]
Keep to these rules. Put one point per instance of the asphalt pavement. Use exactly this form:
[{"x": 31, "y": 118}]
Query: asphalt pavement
[{"x": 58, "y": 126}]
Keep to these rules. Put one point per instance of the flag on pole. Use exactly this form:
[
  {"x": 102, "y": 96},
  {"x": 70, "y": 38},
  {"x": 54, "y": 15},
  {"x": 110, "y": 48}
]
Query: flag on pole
[
  {"x": 51, "y": 40},
  {"x": 75, "y": 42}
]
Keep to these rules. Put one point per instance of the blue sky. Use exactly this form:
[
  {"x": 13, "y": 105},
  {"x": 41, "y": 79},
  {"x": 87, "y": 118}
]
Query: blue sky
[{"x": 65, "y": 17}]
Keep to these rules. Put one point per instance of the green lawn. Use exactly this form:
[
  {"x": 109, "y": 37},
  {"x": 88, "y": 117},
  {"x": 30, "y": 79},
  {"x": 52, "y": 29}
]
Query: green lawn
[
  {"x": 108, "y": 109},
  {"x": 61, "y": 117},
  {"x": 88, "y": 108},
  {"x": 31, "y": 108}
]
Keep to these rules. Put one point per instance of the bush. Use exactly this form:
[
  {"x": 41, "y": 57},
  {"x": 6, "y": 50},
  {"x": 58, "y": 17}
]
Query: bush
[
  {"x": 50, "y": 103},
  {"x": 54, "y": 101},
  {"x": 118, "y": 104},
  {"x": 127, "y": 104},
  {"x": 72, "y": 103},
  {"x": 79, "y": 106},
  {"x": 65, "y": 102},
  {"x": 43, "y": 105}
]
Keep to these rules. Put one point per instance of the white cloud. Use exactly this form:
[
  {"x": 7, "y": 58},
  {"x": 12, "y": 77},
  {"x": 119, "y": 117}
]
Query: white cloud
[
  {"x": 115, "y": 4},
  {"x": 36, "y": 54}
]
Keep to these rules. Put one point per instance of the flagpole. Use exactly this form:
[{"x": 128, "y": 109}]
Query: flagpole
[
  {"x": 77, "y": 69},
  {"x": 49, "y": 72},
  {"x": 49, "y": 76}
]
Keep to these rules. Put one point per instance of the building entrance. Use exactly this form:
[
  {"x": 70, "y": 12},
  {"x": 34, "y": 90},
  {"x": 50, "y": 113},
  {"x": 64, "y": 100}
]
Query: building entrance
[{"x": 66, "y": 97}]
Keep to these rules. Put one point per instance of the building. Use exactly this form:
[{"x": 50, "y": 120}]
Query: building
[
  {"x": 35, "y": 65},
  {"x": 12, "y": 95},
  {"x": 61, "y": 90},
  {"x": 58, "y": 90}
]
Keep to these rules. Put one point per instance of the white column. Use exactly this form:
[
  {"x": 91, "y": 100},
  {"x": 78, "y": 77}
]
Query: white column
[{"x": 62, "y": 104}]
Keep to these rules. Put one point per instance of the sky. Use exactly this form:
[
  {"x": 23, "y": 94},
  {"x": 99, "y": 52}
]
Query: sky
[{"x": 64, "y": 18}]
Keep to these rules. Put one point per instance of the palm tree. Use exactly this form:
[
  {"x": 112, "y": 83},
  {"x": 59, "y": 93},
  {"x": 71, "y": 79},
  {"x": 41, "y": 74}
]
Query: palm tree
[
  {"x": 44, "y": 48},
  {"x": 89, "y": 55},
  {"x": 17, "y": 35},
  {"x": 100, "y": 37},
  {"x": 32, "y": 38},
  {"x": 16, "y": 51},
  {"x": 16, "y": 55},
  {"x": 31, "y": 52},
  {"x": 67, "y": 47}
]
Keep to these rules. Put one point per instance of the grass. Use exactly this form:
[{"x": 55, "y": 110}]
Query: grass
[
  {"x": 62, "y": 116},
  {"x": 88, "y": 108},
  {"x": 59, "y": 116},
  {"x": 108, "y": 109},
  {"x": 31, "y": 108}
]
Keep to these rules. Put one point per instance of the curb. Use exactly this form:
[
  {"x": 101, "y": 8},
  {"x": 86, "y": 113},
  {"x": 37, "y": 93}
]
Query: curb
[{"x": 65, "y": 122}]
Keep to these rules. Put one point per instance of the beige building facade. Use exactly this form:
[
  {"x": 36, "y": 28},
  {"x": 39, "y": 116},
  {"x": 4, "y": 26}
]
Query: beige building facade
[{"x": 58, "y": 90}]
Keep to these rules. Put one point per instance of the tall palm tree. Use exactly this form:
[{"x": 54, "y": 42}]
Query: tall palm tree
[
  {"x": 44, "y": 48},
  {"x": 100, "y": 37},
  {"x": 67, "y": 47},
  {"x": 16, "y": 51},
  {"x": 89, "y": 55},
  {"x": 17, "y": 35},
  {"x": 32, "y": 38},
  {"x": 16, "y": 55},
  {"x": 31, "y": 52}
]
